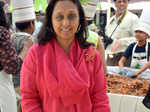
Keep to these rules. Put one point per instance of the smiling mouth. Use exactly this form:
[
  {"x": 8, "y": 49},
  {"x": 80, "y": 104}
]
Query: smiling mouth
[{"x": 65, "y": 30}]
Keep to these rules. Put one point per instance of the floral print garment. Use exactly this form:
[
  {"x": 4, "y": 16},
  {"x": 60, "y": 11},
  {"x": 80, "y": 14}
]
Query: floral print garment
[{"x": 9, "y": 61}]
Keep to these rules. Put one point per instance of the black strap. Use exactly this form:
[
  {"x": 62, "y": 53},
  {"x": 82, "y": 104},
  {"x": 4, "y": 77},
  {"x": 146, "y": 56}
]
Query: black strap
[
  {"x": 114, "y": 30},
  {"x": 118, "y": 23}
]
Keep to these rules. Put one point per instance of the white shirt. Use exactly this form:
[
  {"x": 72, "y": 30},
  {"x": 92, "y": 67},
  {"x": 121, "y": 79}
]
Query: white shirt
[
  {"x": 38, "y": 25},
  {"x": 8, "y": 102},
  {"x": 124, "y": 33}
]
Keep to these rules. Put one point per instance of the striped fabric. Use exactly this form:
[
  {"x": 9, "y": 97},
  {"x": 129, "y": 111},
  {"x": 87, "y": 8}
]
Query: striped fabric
[{"x": 93, "y": 38}]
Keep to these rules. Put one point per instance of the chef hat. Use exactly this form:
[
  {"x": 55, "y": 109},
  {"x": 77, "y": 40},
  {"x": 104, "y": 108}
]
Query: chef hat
[
  {"x": 23, "y": 10},
  {"x": 144, "y": 23},
  {"x": 90, "y": 8}
]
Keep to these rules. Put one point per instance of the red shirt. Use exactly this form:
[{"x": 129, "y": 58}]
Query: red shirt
[{"x": 55, "y": 82}]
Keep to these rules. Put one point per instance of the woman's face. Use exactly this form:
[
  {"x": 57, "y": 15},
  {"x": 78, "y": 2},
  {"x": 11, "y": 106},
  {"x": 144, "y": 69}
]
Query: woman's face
[{"x": 65, "y": 20}]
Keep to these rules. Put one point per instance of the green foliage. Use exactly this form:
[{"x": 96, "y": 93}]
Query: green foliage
[{"x": 84, "y": 1}]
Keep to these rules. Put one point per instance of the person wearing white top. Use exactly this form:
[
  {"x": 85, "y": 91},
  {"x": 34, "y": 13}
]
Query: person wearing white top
[
  {"x": 120, "y": 29},
  {"x": 38, "y": 25},
  {"x": 139, "y": 51}
]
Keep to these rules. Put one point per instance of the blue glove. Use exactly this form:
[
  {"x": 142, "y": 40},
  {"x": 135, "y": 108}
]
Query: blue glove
[
  {"x": 123, "y": 72},
  {"x": 131, "y": 74}
]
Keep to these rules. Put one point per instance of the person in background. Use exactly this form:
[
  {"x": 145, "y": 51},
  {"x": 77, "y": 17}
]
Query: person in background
[
  {"x": 93, "y": 38},
  {"x": 38, "y": 25},
  {"x": 139, "y": 51},
  {"x": 10, "y": 64},
  {"x": 120, "y": 29},
  {"x": 24, "y": 22},
  {"x": 60, "y": 78}
]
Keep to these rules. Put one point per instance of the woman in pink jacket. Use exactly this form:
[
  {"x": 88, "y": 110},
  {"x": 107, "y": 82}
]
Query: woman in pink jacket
[{"x": 62, "y": 73}]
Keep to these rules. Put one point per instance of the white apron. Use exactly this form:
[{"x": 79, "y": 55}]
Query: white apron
[
  {"x": 8, "y": 101},
  {"x": 139, "y": 59}
]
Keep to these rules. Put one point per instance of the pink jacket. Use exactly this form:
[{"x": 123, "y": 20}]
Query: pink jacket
[{"x": 52, "y": 82}]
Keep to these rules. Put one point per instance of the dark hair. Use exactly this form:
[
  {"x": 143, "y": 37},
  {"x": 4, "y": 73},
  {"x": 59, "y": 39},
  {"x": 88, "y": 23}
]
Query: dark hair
[
  {"x": 3, "y": 18},
  {"x": 47, "y": 30},
  {"x": 24, "y": 25},
  {"x": 37, "y": 12}
]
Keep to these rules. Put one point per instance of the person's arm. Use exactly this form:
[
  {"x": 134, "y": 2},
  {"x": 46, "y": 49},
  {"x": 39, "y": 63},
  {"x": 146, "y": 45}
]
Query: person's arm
[
  {"x": 9, "y": 60},
  {"x": 122, "y": 43},
  {"x": 101, "y": 50},
  {"x": 116, "y": 46},
  {"x": 99, "y": 97},
  {"x": 126, "y": 55},
  {"x": 30, "y": 99},
  {"x": 121, "y": 62},
  {"x": 144, "y": 68}
]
